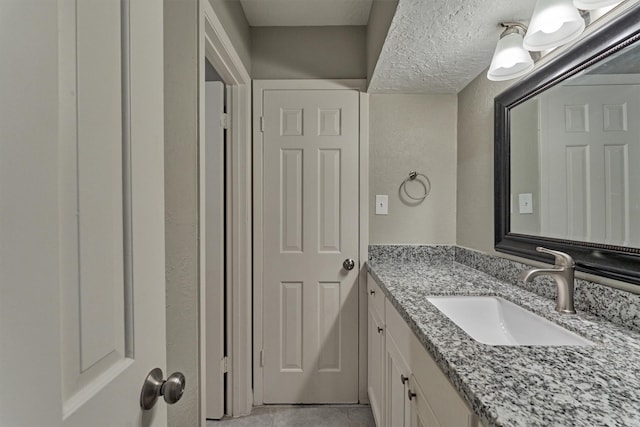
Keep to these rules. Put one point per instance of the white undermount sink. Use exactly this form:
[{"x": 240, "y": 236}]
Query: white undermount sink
[{"x": 496, "y": 321}]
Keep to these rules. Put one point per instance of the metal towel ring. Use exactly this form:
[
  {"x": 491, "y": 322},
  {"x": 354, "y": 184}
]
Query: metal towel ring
[{"x": 426, "y": 184}]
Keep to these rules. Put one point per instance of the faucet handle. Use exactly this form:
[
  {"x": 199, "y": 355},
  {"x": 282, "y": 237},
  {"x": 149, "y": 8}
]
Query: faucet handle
[{"x": 562, "y": 259}]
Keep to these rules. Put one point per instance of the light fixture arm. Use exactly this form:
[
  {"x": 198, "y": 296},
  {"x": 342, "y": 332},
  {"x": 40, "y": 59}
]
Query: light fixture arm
[{"x": 511, "y": 27}]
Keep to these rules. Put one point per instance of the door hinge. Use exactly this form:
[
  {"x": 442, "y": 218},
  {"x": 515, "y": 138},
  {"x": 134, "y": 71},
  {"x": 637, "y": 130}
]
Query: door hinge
[
  {"x": 225, "y": 364},
  {"x": 262, "y": 358},
  {"x": 261, "y": 124},
  {"x": 225, "y": 120}
]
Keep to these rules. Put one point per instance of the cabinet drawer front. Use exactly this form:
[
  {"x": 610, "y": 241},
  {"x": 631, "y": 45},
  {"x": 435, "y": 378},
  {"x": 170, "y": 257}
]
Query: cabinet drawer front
[{"x": 375, "y": 296}]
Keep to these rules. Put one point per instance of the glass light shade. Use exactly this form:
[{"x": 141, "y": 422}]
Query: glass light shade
[
  {"x": 510, "y": 60},
  {"x": 594, "y": 4},
  {"x": 554, "y": 23}
]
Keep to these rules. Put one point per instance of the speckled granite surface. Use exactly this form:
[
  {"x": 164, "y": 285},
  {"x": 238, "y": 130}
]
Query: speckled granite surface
[
  {"x": 411, "y": 253},
  {"x": 517, "y": 386}
]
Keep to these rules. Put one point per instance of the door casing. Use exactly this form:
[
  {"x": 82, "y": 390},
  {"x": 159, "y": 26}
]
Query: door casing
[
  {"x": 216, "y": 46},
  {"x": 259, "y": 86}
]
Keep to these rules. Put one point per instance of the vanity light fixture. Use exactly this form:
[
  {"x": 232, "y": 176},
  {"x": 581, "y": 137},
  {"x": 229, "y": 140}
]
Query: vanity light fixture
[
  {"x": 510, "y": 59},
  {"x": 554, "y": 23},
  {"x": 594, "y": 4}
]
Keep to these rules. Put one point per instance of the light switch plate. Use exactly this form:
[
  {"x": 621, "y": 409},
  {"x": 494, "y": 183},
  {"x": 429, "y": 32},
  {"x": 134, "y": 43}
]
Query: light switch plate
[
  {"x": 382, "y": 204},
  {"x": 525, "y": 201}
]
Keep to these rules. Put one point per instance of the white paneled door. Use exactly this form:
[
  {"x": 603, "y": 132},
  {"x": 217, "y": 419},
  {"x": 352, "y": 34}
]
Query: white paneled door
[
  {"x": 310, "y": 320},
  {"x": 590, "y": 143},
  {"x": 82, "y": 308}
]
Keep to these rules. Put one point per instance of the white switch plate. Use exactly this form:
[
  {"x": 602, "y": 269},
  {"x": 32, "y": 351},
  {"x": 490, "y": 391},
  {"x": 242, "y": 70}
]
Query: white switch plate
[
  {"x": 382, "y": 204},
  {"x": 525, "y": 203}
]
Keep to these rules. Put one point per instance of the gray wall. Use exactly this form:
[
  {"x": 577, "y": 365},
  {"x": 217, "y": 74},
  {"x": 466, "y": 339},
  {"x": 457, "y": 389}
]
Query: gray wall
[
  {"x": 382, "y": 12},
  {"x": 525, "y": 169},
  {"x": 235, "y": 24},
  {"x": 210, "y": 73},
  {"x": 474, "y": 215},
  {"x": 308, "y": 52},
  {"x": 413, "y": 132},
  {"x": 181, "y": 201}
]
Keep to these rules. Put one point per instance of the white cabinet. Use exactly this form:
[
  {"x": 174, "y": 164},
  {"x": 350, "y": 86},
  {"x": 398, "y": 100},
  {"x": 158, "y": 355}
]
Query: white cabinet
[
  {"x": 376, "y": 351},
  {"x": 406, "y": 386},
  {"x": 397, "y": 375},
  {"x": 436, "y": 402},
  {"x": 420, "y": 413}
]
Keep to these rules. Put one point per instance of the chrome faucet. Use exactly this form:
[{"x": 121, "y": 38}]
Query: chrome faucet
[{"x": 562, "y": 273}]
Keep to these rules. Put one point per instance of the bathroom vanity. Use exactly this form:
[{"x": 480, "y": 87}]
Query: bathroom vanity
[
  {"x": 424, "y": 370},
  {"x": 406, "y": 387}
]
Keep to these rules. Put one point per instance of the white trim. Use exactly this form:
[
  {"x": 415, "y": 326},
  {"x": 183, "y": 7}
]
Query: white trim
[
  {"x": 350, "y": 84},
  {"x": 202, "y": 300},
  {"x": 219, "y": 49},
  {"x": 216, "y": 46},
  {"x": 364, "y": 246},
  {"x": 259, "y": 86}
]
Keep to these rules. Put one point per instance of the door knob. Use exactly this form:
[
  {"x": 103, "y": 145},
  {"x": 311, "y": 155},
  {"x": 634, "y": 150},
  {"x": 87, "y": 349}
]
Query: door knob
[
  {"x": 154, "y": 386},
  {"x": 348, "y": 264}
]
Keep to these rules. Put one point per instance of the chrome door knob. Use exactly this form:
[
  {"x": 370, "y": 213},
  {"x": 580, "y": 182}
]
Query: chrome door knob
[
  {"x": 173, "y": 388},
  {"x": 348, "y": 264},
  {"x": 154, "y": 386}
]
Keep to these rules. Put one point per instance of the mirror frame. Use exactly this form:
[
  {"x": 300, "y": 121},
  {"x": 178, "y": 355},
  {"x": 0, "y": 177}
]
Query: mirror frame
[{"x": 615, "y": 262}]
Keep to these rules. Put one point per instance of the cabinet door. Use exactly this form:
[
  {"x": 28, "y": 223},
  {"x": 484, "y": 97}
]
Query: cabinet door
[
  {"x": 375, "y": 366},
  {"x": 396, "y": 384},
  {"x": 447, "y": 406},
  {"x": 421, "y": 413}
]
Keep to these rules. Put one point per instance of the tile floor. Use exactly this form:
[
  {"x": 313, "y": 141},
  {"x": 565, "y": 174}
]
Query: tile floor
[{"x": 302, "y": 416}]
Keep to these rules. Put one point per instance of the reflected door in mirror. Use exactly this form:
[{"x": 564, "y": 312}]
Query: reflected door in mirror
[
  {"x": 587, "y": 144},
  {"x": 574, "y": 149}
]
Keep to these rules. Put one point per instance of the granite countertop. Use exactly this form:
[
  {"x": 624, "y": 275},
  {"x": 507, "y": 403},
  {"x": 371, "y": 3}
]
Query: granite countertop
[{"x": 519, "y": 385}]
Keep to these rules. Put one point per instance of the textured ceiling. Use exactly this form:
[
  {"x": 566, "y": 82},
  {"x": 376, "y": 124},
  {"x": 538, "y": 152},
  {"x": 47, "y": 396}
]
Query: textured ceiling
[
  {"x": 439, "y": 46},
  {"x": 298, "y": 13}
]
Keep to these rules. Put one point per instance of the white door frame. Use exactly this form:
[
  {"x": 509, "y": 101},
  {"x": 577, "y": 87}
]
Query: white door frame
[
  {"x": 216, "y": 46},
  {"x": 259, "y": 86}
]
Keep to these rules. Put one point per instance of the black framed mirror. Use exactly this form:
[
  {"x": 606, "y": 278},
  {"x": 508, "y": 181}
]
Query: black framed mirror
[{"x": 567, "y": 155}]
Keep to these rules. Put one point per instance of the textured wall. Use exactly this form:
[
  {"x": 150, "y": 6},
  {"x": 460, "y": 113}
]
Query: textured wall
[
  {"x": 235, "y": 24},
  {"x": 308, "y": 52},
  {"x": 475, "y": 163},
  {"x": 413, "y": 132},
  {"x": 440, "y": 46},
  {"x": 181, "y": 201}
]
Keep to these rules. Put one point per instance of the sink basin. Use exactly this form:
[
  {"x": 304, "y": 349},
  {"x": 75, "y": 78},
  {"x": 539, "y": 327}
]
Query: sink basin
[{"x": 496, "y": 321}]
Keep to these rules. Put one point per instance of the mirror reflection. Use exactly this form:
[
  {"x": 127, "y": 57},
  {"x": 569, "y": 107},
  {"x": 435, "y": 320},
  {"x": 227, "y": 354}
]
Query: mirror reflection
[{"x": 575, "y": 156}]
